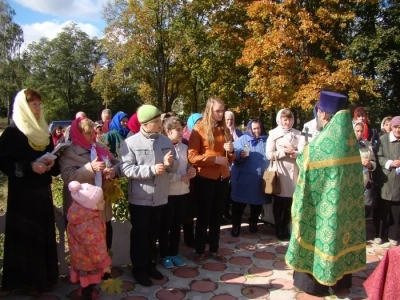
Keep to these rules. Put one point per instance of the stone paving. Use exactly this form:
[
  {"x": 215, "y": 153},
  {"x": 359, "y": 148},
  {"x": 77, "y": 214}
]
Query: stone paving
[{"x": 255, "y": 270}]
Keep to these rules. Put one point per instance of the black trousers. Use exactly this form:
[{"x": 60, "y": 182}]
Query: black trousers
[
  {"x": 385, "y": 218},
  {"x": 307, "y": 283},
  {"x": 238, "y": 209},
  {"x": 211, "y": 195},
  {"x": 170, "y": 229},
  {"x": 145, "y": 222},
  {"x": 282, "y": 211}
]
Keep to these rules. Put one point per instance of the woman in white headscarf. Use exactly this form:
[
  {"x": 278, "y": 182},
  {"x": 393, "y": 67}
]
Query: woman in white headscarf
[
  {"x": 235, "y": 134},
  {"x": 282, "y": 145},
  {"x": 30, "y": 249},
  {"x": 230, "y": 123}
]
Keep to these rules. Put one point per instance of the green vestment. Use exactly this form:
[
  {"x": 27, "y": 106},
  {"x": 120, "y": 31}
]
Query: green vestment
[{"x": 328, "y": 238}]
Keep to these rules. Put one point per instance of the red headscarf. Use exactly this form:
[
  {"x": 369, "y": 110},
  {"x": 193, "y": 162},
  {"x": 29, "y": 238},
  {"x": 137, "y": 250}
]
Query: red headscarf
[
  {"x": 78, "y": 139},
  {"x": 360, "y": 111},
  {"x": 133, "y": 123}
]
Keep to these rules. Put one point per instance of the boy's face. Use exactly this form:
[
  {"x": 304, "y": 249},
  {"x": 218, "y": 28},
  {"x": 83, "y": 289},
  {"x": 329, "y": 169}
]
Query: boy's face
[{"x": 154, "y": 126}]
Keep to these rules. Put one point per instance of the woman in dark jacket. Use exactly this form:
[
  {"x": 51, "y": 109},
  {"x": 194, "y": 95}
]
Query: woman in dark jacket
[{"x": 30, "y": 249}]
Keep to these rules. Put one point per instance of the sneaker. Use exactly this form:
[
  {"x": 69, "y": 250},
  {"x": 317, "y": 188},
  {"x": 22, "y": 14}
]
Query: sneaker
[
  {"x": 393, "y": 242},
  {"x": 378, "y": 241},
  {"x": 167, "y": 262},
  {"x": 177, "y": 261}
]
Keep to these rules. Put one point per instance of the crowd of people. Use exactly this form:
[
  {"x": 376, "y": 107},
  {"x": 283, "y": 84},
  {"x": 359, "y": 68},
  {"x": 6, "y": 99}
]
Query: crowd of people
[{"x": 333, "y": 174}]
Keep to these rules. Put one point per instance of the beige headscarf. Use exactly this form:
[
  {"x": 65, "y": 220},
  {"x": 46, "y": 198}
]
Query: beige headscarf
[{"x": 36, "y": 131}]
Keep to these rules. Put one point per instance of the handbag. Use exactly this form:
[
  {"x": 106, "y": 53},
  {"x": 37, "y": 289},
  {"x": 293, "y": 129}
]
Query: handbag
[{"x": 270, "y": 183}]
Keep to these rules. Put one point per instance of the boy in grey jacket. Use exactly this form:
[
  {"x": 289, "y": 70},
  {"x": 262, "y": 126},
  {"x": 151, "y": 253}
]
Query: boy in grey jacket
[{"x": 146, "y": 159}]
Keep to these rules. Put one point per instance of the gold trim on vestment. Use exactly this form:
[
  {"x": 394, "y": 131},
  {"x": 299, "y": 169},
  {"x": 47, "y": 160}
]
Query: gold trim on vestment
[
  {"x": 333, "y": 162},
  {"x": 320, "y": 253},
  {"x": 322, "y": 282}
]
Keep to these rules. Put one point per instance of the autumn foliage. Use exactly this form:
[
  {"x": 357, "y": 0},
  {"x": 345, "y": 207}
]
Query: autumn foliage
[{"x": 297, "y": 49}]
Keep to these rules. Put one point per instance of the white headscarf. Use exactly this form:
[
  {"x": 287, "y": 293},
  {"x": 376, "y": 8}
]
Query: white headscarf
[
  {"x": 35, "y": 130},
  {"x": 285, "y": 131},
  {"x": 232, "y": 128}
]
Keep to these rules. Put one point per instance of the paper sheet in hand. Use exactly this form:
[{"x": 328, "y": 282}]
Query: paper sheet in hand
[
  {"x": 60, "y": 147},
  {"x": 44, "y": 159}
]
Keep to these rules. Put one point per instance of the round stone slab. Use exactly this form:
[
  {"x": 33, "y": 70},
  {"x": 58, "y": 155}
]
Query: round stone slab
[
  {"x": 223, "y": 297},
  {"x": 264, "y": 255},
  {"x": 260, "y": 272},
  {"x": 203, "y": 286},
  {"x": 255, "y": 292},
  {"x": 186, "y": 272},
  {"x": 170, "y": 294},
  {"x": 233, "y": 278},
  {"x": 214, "y": 266},
  {"x": 240, "y": 261}
]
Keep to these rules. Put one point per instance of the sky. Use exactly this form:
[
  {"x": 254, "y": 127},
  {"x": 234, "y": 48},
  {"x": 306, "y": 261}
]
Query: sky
[{"x": 46, "y": 18}]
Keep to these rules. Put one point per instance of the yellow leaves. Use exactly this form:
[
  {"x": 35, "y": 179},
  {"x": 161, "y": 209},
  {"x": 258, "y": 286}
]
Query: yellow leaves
[
  {"x": 112, "y": 190},
  {"x": 112, "y": 286}
]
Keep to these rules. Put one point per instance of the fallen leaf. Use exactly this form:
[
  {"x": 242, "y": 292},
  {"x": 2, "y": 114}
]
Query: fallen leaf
[{"x": 112, "y": 286}]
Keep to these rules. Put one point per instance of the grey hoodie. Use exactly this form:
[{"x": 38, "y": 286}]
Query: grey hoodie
[{"x": 139, "y": 154}]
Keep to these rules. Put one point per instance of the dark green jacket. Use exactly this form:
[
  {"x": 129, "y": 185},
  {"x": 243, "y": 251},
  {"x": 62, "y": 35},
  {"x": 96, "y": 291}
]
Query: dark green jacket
[
  {"x": 113, "y": 139},
  {"x": 389, "y": 180}
]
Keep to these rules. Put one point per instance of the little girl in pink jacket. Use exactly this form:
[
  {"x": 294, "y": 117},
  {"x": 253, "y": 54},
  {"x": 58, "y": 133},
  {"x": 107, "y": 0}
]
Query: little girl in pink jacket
[{"x": 87, "y": 237}]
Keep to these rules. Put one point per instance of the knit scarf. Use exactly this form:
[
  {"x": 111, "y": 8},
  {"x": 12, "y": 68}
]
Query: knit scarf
[
  {"x": 101, "y": 154},
  {"x": 35, "y": 130}
]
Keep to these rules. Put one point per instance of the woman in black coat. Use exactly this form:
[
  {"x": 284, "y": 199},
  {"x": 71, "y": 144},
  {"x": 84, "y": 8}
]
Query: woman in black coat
[{"x": 30, "y": 249}]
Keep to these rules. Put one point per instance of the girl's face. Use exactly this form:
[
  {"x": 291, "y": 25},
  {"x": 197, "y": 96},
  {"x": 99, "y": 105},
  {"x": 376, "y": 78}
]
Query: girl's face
[
  {"x": 58, "y": 132},
  {"x": 359, "y": 131},
  {"x": 217, "y": 112},
  {"x": 387, "y": 125},
  {"x": 285, "y": 121},
  {"x": 124, "y": 122},
  {"x": 100, "y": 205},
  {"x": 361, "y": 119},
  {"x": 175, "y": 134}
]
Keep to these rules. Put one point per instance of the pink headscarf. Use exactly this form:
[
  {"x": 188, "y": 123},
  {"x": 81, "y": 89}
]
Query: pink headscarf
[{"x": 78, "y": 139}]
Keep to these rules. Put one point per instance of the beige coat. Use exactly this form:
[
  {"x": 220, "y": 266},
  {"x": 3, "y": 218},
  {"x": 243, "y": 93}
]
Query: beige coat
[
  {"x": 287, "y": 167},
  {"x": 368, "y": 153},
  {"x": 75, "y": 166}
]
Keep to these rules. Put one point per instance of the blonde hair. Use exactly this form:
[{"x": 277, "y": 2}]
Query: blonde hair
[
  {"x": 85, "y": 125},
  {"x": 286, "y": 113},
  {"x": 208, "y": 122}
]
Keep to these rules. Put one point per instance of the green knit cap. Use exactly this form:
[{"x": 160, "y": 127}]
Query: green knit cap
[{"x": 147, "y": 113}]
